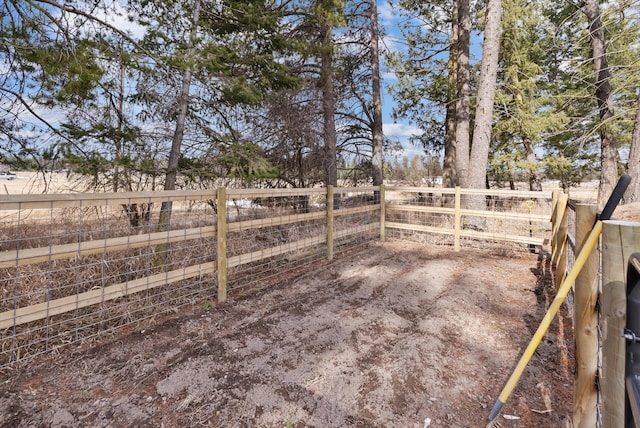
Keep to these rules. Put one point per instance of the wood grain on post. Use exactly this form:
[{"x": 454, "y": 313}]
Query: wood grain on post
[
  {"x": 457, "y": 221},
  {"x": 561, "y": 240},
  {"x": 620, "y": 239},
  {"x": 585, "y": 399},
  {"x": 554, "y": 224},
  {"x": 222, "y": 244},
  {"x": 330, "y": 222}
]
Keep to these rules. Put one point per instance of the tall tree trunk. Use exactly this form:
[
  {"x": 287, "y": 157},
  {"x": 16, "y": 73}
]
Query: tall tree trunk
[
  {"x": 178, "y": 134},
  {"x": 633, "y": 165},
  {"x": 328, "y": 107},
  {"x": 486, "y": 96},
  {"x": 608, "y": 141},
  {"x": 535, "y": 183},
  {"x": 484, "y": 107},
  {"x": 463, "y": 93},
  {"x": 376, "y": 153},
  {"x": 449, "y": 175}
]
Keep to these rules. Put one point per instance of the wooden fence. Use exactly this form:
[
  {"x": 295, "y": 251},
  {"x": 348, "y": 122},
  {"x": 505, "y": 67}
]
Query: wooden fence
[
  {"x": 75, "y": 266},
  {"x": 599, "y": 302}
]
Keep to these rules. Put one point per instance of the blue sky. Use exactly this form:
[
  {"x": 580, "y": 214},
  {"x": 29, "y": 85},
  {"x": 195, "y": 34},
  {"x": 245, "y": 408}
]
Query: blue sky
[{"x": 397, "y": 131}]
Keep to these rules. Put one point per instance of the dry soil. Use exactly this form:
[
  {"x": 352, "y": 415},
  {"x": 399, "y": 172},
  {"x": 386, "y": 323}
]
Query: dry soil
[{"x": 396, "y": 334}]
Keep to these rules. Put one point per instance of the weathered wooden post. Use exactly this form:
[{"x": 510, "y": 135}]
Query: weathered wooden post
[
  {"x": 554, "y": 224},
  {"x": 382, "y": 213},
  {"x": 585, "y": 399},
  {"x": 561, "y": 223},
  {"x": 620, "y": 239},
  {"x": 457, "y": 221},
  {"x": 330, "y": 222},
  {"x": 221, "y": 232}
]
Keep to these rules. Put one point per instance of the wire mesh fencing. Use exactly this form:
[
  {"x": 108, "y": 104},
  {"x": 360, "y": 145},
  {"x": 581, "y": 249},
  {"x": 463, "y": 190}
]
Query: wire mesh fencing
[
  {"x": 74, "y": 267},
  {"x": 77, "y": 266},
  {"x": 480, "y": 219}
]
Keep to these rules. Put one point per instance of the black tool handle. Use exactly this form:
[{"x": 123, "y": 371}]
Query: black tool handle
[{"x": 615, "y": 197}]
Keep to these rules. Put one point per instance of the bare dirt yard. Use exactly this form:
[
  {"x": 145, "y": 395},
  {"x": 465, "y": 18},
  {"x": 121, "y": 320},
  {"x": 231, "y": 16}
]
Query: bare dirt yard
[{"x": 396, "y": 334}]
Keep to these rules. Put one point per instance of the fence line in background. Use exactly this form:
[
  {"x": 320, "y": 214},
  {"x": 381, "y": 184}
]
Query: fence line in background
[{"x": 74, "y": 266}]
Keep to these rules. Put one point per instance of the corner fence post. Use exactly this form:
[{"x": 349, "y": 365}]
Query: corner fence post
[
  {"x": 221, "y": 235},
  {"x": 585, "y": 397},
  {"x": 330, "y": 223},
  {"x": 619, "y": 240},
  {"x": 383, "y": 203},
  {"x": 457, "y": 229}
]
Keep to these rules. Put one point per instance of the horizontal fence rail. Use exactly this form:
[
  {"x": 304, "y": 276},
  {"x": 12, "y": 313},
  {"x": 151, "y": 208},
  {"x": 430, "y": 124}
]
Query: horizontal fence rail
[
  {"x": 76, "y": 266},
  {"x": 469, "y": 217}
]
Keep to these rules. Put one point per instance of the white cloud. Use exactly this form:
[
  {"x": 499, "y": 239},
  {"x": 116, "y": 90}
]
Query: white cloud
[
  {"x": 400, "y": 131},
  {"x": 386, "y": 12},
  {"x": 120, "y": 20}
]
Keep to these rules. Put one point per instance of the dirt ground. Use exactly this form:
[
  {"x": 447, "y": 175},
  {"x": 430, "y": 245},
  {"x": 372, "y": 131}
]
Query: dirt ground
[{"x": 393, "y": 335}]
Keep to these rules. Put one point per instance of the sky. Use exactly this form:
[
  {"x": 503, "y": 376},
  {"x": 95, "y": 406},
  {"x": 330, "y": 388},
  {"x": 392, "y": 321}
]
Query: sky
[
  {"x": 401, "y": 130},
  {"x": 397, "y": 131}
]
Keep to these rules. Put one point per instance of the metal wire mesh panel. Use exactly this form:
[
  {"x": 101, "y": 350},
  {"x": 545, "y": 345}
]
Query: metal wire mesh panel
[
  {"x": 481, "y": 219},
  {"x": 421, "y": 214},
  {"x": 272, "y": 234},
  {"x": 505, "y": 220},
  {"x": 75, "y": 266},
  {"x": 357, "y": 217}
]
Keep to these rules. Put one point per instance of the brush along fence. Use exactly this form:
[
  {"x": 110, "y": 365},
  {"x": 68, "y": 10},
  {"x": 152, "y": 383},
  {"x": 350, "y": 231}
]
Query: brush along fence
[{"x": 76, "y": 266}]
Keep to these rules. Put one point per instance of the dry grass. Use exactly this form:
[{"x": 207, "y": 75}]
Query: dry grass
[{"x": 45, "y": 281}]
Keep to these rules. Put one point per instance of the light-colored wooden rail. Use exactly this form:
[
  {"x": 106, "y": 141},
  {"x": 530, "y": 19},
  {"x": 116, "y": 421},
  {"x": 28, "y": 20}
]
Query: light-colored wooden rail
[
  {"x": 83, "y": 200},
  {"x": 337, "y": 230},
  {"x": 457, "y": 213},
  {"x": 40, "y": 311},
  {"x": 24, "y": 257}
]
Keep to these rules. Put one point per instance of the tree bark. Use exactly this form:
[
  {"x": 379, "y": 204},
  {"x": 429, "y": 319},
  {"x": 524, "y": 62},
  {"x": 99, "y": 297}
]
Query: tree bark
[
  {"x": 479, "y": 157},
  {"x": 486, "y": 96},
  {"x": 376, "y": 153},
  {"x": 449, "y": 175},
  {"x": 535, "y": 183},
  {"x": 178, "y": 135},
  {"x": 328, "y": 107},
  {"x": 633, "y": 164},
  {"x": 463, "y": 93},
  {"x": 608, "y": 140}
]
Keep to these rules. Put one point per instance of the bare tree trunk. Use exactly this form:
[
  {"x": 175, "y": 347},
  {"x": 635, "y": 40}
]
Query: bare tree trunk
[
  {"x": 486, "y": 96},
  {"x": 449, "y": 175},
  {"x": 178, "y": 135},
  {"x": 328, "y": 108},
  {"x": 633, "y": 164},
  {"x": 484, "y": 105},
  {"x": 608, "y": 141},
  {"x": 535, "y": 183},
  {"x": 463, "y": 93},
  {"x": 376, "y": 152}
]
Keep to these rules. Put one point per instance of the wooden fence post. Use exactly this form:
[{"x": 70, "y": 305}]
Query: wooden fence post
[
  {"x": 382, "y": 213},
  {"x": 585, "y": 397},
  {"x": 329, "y": 222},
  {"x": 559, "y": 257},
  {"x": 221, "y": 232},
  {"x": 620, "y": 239},
  {"x": 554, "y": 222},
  {"x": 457, "y": 221}
]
